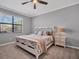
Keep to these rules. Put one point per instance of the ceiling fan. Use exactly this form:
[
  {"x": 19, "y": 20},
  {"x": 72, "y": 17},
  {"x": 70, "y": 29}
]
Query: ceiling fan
[{"x": 35, "y": 2}]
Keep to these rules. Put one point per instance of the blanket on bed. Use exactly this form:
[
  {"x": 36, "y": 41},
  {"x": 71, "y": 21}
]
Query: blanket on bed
[{"x": 40, "y": 41}]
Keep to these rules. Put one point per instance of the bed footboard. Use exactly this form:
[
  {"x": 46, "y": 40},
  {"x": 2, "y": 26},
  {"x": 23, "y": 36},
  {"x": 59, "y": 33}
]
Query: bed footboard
[{"x": 35, "y": 51}]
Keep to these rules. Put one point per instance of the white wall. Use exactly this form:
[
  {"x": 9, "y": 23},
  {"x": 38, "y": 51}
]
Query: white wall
[
  {"x": 67, "y": 17},
  {"x": 9, "y": 37}
]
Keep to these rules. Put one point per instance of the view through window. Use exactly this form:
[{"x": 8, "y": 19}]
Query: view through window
[{"x": 10, "y": 24}]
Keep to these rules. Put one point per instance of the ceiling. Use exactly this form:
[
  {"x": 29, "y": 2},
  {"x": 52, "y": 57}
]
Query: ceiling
[{"x": 27, "y": 10}]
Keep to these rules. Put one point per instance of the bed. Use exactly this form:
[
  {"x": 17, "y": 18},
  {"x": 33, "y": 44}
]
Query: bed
[{"x": 35, "y": 44}]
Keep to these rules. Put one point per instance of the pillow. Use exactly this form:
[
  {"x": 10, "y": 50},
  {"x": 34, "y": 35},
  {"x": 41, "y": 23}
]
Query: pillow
[
  {"x": 35, "y": 32},
  {"x": 40, "y": 33},
  {"x": 44, "y": 33},
  {"x": 49, "y": 32}
]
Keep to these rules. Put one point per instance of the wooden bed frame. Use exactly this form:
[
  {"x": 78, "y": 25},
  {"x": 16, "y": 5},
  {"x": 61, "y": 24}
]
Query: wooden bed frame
[{"x": 35, "y": 52}]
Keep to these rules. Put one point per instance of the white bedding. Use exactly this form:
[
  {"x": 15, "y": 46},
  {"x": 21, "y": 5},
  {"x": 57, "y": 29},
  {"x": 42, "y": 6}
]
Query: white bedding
[
  {"x": 34, "y": 41},
  {"x": 33, "y": 37}
]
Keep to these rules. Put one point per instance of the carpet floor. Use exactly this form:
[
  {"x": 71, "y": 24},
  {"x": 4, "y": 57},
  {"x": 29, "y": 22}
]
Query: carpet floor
[{"x": 54, "y": 52}]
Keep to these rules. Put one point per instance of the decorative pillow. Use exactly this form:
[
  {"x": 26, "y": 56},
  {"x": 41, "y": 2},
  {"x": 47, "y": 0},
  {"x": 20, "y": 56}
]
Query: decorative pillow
[{"x": 49, "y": 32}]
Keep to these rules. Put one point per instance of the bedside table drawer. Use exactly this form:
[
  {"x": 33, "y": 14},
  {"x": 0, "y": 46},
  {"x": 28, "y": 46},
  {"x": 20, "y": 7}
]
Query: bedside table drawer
[
  {"x": 60, "y": 40},
  {"x": 60, "y": 43}
]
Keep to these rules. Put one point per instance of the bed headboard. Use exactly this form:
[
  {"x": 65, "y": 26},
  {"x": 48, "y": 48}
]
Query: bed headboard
[{"x": 42, "y": 29}]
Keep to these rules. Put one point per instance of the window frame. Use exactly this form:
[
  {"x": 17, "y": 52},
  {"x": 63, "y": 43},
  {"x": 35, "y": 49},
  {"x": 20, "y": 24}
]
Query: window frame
[{"x": 12, "y": 24}]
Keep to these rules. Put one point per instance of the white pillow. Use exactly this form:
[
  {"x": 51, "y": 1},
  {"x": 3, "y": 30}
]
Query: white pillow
[
  {"x": 35, "y": 32},
  {"x": 45, "y": 33},
  {"x": 40, "y": 33}
]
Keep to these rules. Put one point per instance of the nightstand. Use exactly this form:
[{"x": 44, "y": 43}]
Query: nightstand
[{"x": 60, "y": 38}]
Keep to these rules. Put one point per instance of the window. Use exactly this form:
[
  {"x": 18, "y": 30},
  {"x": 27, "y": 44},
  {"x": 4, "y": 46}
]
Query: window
[{"x": 10, "y": 24}]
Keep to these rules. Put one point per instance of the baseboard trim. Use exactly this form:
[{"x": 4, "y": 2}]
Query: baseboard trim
[
  {"x": 73, "y": 47},
  {"x": 14, "y": 42},
  {"x": 7, "y": 43}
]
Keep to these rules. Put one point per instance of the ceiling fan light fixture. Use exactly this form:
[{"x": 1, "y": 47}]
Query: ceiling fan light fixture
[{"x": 35, "y": 1}]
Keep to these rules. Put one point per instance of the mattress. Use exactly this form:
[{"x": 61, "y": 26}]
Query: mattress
[{"x": 33, "y": 40}]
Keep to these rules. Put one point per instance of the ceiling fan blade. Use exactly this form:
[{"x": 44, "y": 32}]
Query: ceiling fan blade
[
  {"x": 26, "y": 2},
  {"x": 42, "y": 2},
  {"x": 34, "y": 6}
]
